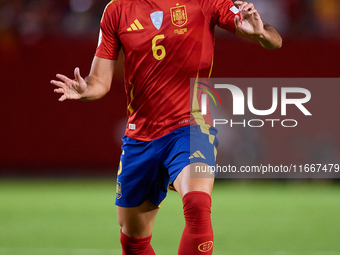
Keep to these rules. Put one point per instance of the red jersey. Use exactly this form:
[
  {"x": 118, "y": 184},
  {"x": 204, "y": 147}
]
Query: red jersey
[{"x": 165, "y": 43}]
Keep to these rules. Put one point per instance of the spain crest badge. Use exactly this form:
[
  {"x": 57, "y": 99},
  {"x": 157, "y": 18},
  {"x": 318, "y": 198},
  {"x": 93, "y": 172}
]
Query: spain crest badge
[{"x": 178, "y": 15}]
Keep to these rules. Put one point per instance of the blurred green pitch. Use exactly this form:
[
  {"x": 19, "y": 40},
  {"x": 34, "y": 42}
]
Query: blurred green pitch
[{"x": 72, "y": 217}]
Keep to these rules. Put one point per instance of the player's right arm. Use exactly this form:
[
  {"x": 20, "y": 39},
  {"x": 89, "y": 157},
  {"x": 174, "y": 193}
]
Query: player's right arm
[{"x": 93, "y": 87}]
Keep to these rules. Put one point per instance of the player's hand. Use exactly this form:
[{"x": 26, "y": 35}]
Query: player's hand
[
  {"x": 71, "y": 89},
  {"x": 251, "y": 22}
]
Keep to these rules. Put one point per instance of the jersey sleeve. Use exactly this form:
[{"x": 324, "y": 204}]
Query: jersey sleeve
[
  {"x": 109, "y": 43},
  {"x": 221, "y": 13}
]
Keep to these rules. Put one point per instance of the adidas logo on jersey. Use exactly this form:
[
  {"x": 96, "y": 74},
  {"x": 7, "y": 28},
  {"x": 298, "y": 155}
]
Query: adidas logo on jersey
[
  {"x": 197, "y": 154},
  {"x": 136, "y": 25}
]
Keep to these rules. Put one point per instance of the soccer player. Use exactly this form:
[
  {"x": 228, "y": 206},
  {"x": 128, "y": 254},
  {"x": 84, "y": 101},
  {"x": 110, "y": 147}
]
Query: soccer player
[{"x": 165, "y": 43}]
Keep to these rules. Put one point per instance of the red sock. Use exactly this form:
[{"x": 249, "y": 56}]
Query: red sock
[
  {"x": 197, "y": 237},
  {"x": 136, "y": 246}
]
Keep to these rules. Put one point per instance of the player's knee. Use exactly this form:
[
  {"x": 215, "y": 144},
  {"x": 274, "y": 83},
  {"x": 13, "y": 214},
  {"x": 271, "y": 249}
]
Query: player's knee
[
  {"x": 130, "y": 224},
  {"x": 120, "y": 221},
  {"x": 135, "y": 230}
]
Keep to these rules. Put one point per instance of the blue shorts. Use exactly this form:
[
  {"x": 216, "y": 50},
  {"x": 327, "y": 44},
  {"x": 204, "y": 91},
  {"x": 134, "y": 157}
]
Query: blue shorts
[{"x": 146, "y": 168}]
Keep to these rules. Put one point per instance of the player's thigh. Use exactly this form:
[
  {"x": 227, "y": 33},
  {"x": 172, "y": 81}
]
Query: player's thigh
[
  {"x": 137, "y": 222},
  {"x": 187, "y": 182}
]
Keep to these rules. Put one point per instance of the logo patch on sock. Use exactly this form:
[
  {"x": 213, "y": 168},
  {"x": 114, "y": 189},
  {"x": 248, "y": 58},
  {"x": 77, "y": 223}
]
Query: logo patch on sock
[{"x": 206, "y": 246}]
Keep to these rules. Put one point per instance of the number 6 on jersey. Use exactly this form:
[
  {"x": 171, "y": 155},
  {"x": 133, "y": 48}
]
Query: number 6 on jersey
[{"x": 158, "y": 47}]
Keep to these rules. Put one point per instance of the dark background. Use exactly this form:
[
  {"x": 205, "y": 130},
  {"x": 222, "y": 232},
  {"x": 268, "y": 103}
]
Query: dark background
[{"x": 40, "y": 136}]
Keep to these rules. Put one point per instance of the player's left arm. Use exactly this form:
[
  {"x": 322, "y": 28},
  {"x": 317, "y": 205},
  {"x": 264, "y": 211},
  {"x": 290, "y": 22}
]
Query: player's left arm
[{"x": 251, "y": 27}]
